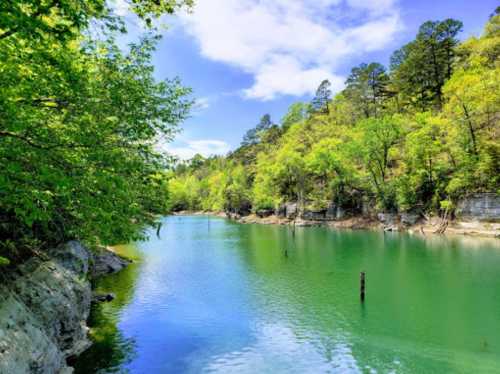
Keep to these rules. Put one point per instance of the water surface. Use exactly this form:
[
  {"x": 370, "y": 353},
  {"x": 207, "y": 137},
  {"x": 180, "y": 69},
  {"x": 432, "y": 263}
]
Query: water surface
[{"x": 215, "y": 296}]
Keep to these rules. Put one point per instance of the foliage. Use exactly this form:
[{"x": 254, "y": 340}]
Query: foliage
[
  {"x": 422, "y": 66},
  {"x": 366, "y": 87},
  {"x": 321, "y": 101},
  {"x": 79, "y": 122},
  {"x": 418, "y": 137}
]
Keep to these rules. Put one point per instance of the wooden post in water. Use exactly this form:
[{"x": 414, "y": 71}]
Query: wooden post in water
[{"x": 362, "y": 281}]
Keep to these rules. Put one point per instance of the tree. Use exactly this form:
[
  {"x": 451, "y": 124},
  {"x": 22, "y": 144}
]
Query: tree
[
  {"x": 366, "y": 87},
  {"x": 472, "y": 104},
  {"x": 79, "y": 121},
  {"x": 377, "y": 148},
  {"x": 426, "y": 166},
  {"x": 65, "y": 19},
  {"x": 296, "y": 114},
  {"x": 382, "y": 139},
  {"x": 421, "y": 67},
  {"x": 321, "y": 100},
  {"x": 254, "y": 135}
]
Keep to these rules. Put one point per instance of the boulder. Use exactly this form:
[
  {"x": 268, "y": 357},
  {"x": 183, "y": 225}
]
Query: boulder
[{"x": 106, "y": 262}]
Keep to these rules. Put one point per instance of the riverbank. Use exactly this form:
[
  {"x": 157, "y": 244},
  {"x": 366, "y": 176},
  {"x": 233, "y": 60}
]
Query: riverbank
[
  {"x": 420, "y": 226},
  {"x": 44, "y": 306}
]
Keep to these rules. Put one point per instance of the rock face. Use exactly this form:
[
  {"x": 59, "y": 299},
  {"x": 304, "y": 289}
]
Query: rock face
[
  {"x": 44, "y": 306},
  {"x": 409, "y": 218},
  {"x": 43, "y": 312},
  {"x": 481, "y": 207},
  {"x": 314, "y": 215},
  {"x": 263, "y": 213}
]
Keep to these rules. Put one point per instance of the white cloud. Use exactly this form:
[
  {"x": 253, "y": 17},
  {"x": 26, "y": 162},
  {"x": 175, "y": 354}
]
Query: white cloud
[
  {"x": 290, "y": 46},
  {"x": 201, "y": 104},
  {"x": 188, "y": 148},
  {"x": 121, "y": 7}
]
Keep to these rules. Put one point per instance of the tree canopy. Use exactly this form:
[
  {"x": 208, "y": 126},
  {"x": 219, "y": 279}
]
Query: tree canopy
[
  {"x": 416, "y": 137},
  {"x": 79, "y": 121}
]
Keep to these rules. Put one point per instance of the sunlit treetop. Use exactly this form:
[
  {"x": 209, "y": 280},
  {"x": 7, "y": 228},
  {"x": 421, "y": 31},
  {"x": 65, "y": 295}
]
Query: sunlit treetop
[{"x": 66, "y": 18}]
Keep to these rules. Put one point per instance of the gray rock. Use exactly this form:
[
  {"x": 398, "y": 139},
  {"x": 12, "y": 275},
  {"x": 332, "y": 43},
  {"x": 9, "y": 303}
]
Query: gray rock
[
  {"x": 331, "y": 212},
  {"x": 314, "y": 215},
  {"x": 281, "y": 211},
  {"x": 387, "y": 218},
  {"x": 73, "y": 256},
  {"x": 340, "y": 213},
  {"x": 24, "y": 345},
  {"x": 480, "y": 206},
  {"x": 43, "y": 312},
  {"x": 409, "y": 218},
  {"x": 262, "y": 213},
  {"x": 106, "y": 262},
  {"x": 291, "y": 210},
  {"x": 103, "y": 298}
]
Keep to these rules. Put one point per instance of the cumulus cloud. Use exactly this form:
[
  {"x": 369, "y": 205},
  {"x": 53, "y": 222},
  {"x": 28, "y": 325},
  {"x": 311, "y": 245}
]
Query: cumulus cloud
[
  {"x": 290, "y": 46},
  {"x": 188, "y": 148}
]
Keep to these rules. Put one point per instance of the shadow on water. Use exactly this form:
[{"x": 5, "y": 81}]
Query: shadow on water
[{"x": 111, "y": 349}]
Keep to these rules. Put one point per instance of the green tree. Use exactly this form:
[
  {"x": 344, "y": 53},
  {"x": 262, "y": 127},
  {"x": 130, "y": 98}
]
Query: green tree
[
  {"x": 297, "y": 113},
  {"x": 321, "y": 101},
  {"x": 366, "y": 87},
  {"x": 421, "y": 68},
  {"x": 378, "y": 139},
  {"x": 78, "y": 126}
]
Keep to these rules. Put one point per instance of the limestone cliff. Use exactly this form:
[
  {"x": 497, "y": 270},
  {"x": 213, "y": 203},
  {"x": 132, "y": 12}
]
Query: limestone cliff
[{"x": 44, "y": 306}]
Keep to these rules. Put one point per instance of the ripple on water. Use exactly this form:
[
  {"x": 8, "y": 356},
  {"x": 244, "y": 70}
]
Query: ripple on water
[{"x": 224, "y": 298}]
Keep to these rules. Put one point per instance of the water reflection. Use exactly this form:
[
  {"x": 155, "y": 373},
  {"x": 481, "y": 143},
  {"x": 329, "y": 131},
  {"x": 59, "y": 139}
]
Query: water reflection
[
  {"x": 226, "y": 298},
  {"x": 111, "y": 349}
]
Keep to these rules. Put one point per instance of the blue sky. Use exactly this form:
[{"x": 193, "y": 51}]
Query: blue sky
[{"x": 245, "y": 58}]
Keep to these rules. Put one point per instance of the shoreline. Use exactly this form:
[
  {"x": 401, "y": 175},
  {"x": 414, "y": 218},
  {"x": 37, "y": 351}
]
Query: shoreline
[{"x": 424, "y": 227}]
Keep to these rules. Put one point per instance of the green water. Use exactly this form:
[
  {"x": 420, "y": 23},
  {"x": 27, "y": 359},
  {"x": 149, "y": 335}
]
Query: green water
[{"x": 212, "y": 295}]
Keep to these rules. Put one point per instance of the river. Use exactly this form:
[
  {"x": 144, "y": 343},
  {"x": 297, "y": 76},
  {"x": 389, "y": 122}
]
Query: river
[{"x": 212, "y": 295}]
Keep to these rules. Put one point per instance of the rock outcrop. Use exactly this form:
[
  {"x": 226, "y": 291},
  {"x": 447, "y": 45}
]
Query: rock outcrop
[
  {"x": 44, "y": 306},
  {"x": 480, "y": 207},
  {"x": 106, "y": 262}
]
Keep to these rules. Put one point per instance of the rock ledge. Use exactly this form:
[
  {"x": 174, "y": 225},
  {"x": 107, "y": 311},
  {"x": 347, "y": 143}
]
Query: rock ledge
[{"x": 44, "y": 306}]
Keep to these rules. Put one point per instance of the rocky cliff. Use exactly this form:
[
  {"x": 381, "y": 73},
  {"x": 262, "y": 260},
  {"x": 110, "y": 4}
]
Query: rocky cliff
[
  {"x": 44, "y": 306},
  {"x": 480, "y": 206}
]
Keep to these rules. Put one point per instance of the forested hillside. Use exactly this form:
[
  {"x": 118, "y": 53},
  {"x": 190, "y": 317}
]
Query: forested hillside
[
  {"x": 417, "y": 135},
  {"x": 78, "y": 120}
]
